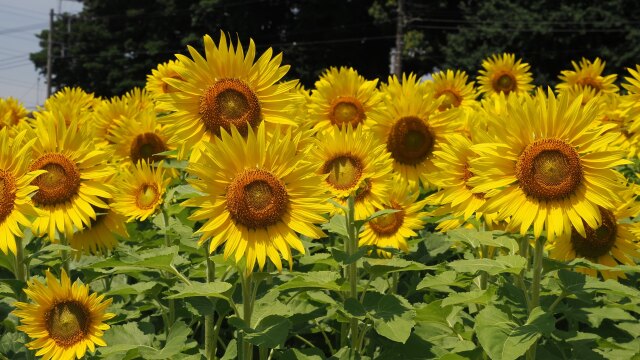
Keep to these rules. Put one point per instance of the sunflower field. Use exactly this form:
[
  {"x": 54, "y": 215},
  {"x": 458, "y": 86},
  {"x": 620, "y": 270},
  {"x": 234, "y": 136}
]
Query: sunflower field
[{"x": 224, "y": 212}]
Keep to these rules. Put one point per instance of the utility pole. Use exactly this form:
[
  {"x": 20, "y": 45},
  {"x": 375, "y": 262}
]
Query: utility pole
[
  {"x": 49, "y": 53},
  {"x": 396, "y": 68}
]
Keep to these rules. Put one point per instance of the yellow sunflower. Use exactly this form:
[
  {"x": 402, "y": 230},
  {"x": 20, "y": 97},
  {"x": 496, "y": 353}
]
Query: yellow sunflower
[
  {"x": 140, "y": 191},
  {"x": 342, "y": 96},
  {"x": 138, "y": 99},
  {"x": 73, "y": 183},
  {"x": 226, "y": 88},
  {"x": 15, "y": 188},
  {"x": 454, "y": 88},
  {"x": 547, "y": 166},
  {"x": 411, "y": 127},
  {"x": 258, "y": 195},
  {"x": 588, "y": 74},
  {"x": 138, "y": 138},
  {"x": 503, "y": 74},
  {"x": 352, "y": 161},
  {"x": 105, "y": 115},
  {"x": 156, "y": 85},
  {"x": 611, "y": 243},
  {"x": 71, "y": 104},
  {"x": 392, "y": 230},
  {"x": 12, "y": 112},
  {"x": 64, "y": 320}
]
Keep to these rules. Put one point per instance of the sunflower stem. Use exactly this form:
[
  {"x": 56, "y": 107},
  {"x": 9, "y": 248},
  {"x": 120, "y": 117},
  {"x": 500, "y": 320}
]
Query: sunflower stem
[
  {"x": 248, "y": 298},
  {"x": 64, "y": 254},
  {"x": 538, "y": 254},
  {"x": 210, "y": 331},
  {"x": 352, "y": 269},
  {"x": 167, "y": 243},
  {"x": 20, "y": 272}
]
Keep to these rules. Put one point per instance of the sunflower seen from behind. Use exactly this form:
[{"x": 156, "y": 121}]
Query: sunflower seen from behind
[
  {"x": 504, "y": 74},
  {"x": 63, "y": 320},
  {"x": 72, "y": 186},
  {"x": 411, "y": 128},
  {"x": 227, "y": 87},
  {"x": 140, "y": 190},
  {"x": 258, "y": 196},
  {"x": 588, "y": 73},
  {"x": 342, "y": 97},
  {"x": 547, "y": 167}
]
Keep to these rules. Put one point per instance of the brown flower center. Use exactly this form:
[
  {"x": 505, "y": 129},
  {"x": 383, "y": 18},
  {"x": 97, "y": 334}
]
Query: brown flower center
[
  {"x": 7, "y": 194},
  {"x": 344, "y": 171},
  {"x": 147, "y": 196},
  {"x": 67, "y": 323},
  {"x": 410, "y": 141},
  {"x": 229, "y": 102},
  {"x": 346, "y": 110},
  {"x": 450, "y": 99},
  {"x": 61, "y": 181},
  {"x": 257, "y": 199},
  {"x": 146, "y": 146},
  {"x": 599, "y": 241},
  {"x": 549, "y": 169},
  {"x": 388, "y": 224},
  {"x": 505, "y": 83}
]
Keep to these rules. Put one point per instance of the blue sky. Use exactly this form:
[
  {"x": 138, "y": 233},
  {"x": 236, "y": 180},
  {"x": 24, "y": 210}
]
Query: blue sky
[{"x": 19, "y": 22}]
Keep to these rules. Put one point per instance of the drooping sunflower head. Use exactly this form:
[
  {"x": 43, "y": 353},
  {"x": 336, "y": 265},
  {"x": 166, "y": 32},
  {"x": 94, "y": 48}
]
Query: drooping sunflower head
[
  {"x": 140, "y": 191},
  {"x": 392, "y": 230},
  {"x": 72, "y": 182},
  {"x": 257, "y": 195},
  {"x": 453, "y": 89},
  {"x": 63, "y": 320},
  {"x": 155, "y": 81},
  {"x": 503, "y": 74},
  {"x": 550, "y": 168},
  {"x": 138, "y": 138},
  {"x": 227, "y": 88},
  {"x": 342, "y": 97},
  {"x": 588, "y": 74},
  {"x": 12, "y": 112},
  {"x": 353, "y": 162},
  {"x": 411, "y": 127}
]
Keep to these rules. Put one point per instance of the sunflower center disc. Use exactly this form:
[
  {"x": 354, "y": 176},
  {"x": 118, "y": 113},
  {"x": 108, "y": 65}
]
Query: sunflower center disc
[
  {"x": 67, "y": 323},
  {"x": 7, "y": 194},
  {"x": 147, "y": 196},
  {"x": 61, "y": 181},
  {"x": 257, "y": 199},
  {"x": 505, "y": 83},
  {"x": 229, "y": 102},
  {"x": 599, "y": 241},
  {"x": 388, "y": 224},
  {"x": 549, "y": 169},
  {"x": 344, "y": 171},
  {"x": 145, "y": 147},
  {"x": 410, "y": 141},
  {"x": 449, "y": 100},
  {"x": 346, "y": 110}
]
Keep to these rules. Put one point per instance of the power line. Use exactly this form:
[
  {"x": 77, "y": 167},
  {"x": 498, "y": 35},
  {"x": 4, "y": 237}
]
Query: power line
[{"x": 22, "y": 28}]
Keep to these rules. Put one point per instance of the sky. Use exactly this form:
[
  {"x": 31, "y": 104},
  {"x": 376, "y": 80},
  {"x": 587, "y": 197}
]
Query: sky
[{"x": 20, "y": 20}]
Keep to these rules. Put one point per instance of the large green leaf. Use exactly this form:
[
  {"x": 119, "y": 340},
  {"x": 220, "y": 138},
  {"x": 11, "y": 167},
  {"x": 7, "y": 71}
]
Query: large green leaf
[
  {"x": 441, "y": 282},
  {"x": 503, "y": 338},
  {"x": 195, "y": 289},
  {"x": 393, "y": 316},
  {"x": 379, "y": 267},
  {"x": 501, "y": 264},
  {"x": 483, "y": 297},
  {"x": 272, "y": 331},
  {"x": 313, "y": 280}
]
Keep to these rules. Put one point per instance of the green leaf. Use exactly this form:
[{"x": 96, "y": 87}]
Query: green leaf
[
  {"x": 354, "y": 309},
  {"x": 475, "y": 239},
  {"x": 341, "y": 256},
  {"x": 124, "y": 342},
  {"x": 337, "y": 225},
  {"x": 313, "y": 280},
  {"x": 504, "y": 339},
  {"x": 213, "y": 289},
  {"x": 272, "y": 331},
  {"x": 483, "y": 297},
  {"x": 379, "y": 267},
  {"x": 131, "y": 289},
  {"x": 597, "y": 315},
  {"x": 501, "y": 264},
  {"x": 571, "y": 281},
  {"x": 157, "y": 259},
  {"x": 393, "y": 316},
  {"x": 441, "y": 282},
  {"x": 303, "y": 354},
  {"x": 433, "y": 312},
  {"x": 177, "y": 341}
]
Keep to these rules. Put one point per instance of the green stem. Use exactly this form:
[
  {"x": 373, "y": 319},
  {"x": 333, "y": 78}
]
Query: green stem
[
  {"x": 210, "y": 331},
  {"x": 64, "y": 254},
  {"x": 352, "y": 268},
  {"x": 20, "y": 272},
  {"x": 247, "y": 307},
  {"x": 167, "y": 244},
  {"x": 395, "y": 279},
  {"x": 538, "y": 254}
]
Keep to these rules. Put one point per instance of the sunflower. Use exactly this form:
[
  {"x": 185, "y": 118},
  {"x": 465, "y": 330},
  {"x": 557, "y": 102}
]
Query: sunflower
[
  {"x": 12, "y": 112},
  {"x": 225, "y": 88},
  {"x": 392, "y": 230},
  {"x": 342, "y": 96},
  {"x": 138, "y": 138},
  {"x": 588, "y": 74},
  {"x": 156, "y": 85},
  {"x": 411, "y": 127},
  {"x": 64, "y": 319},
  {"x": 454, "y": 88},
  {"x": 138, "y": 99},
  {"x": 611, "y": 243},
  {"x": 455, "y": 198},
  {"x": 503, "y": 74},
  {"x": 73, "y": 183},
  {"x": 71, "y": 104},
  {"x": 15, "y": 187},
  {"x": 547, "y": 166},
  {"x": 140, "y": 191},
  {"x": 351, "y": 161},
  {"x": 258, "y": 194},
  {"x": 105, "y": 115}
]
